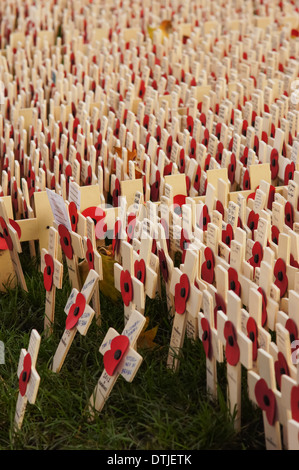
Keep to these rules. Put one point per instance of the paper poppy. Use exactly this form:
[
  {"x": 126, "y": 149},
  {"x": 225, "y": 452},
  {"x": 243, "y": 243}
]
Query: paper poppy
[
  {"x": 190, "y": 124},
  {"x": 256, "y": 145},
  {"x": 281, "y": 368},
  {"x": 295, "y": 402},
  {"x": 25, "y": 374},
  {"x": 219, "y": 153},
  {"x": 116, "y": 193},
  {"x": 207, "y": 268},
  {"x": 112, "y": 358},
  {"x": 192, "y": 153},
  {"x": 65, "y": 241},
  {"x": 181, "y": 294},
  {"x": 73, "y": 213},
  {"x": 168, "y": 146},
  {"x": 252, "y": 221},
  {"x": 233, "y": 281},
  {"x": 291, "y": 327},
  {"x": 293, "y": 262},
  {"x": 89, "y": 255},
  {"x": 257, "y": 255},
  {"x": 218, "y": 130},
  {"x": 48, "y": 272},
  {"x": 163, "y": 265},
  {"x": 244, "y": 157},
  {"x": 246, "y": 180},
  {"x": 227, "y": 235},
  {"x": 14, "y": 196},
  {"x": 219, "y": 306},
  {"x": 289, "y": 173},
  {"x": 244, "y": 127},
  {"x": 197, "y": 177},
  {"x": 88, "y": 179},
  {"x": 289, "y": 214},
  {"x": 274, "y": 166},
  {"x": 205, "y": 140},
  {"x": 6, "y": 234},
  {"x": 155, "y": 188},
  {"x": 76, "y": 311},
  {"x": 265, "y": 399},
  {"x": 126, "y": 287},
  {"x": 203, "y": 119},
  {"x": 271, "y": 197},
  {"x": 252, "y": 333},
  {"x": 142, "y": 89},
  {"x": 220, "y": 208},
  {"x": 232, "y": 168},
  {"x": 167, "y": 169},
  {"x": 281, "y": 279},
  {"x": 182, "y": 161},
  {"x": 232, "y": 350},
  {"x": 206, "y": 337},
  {"x": 131, "y": 227},
  {"x": 97, "y": 214},
  {"x": 274, "y": 234},
  {"x": 204, "y": 218},
  {"x": 140, "y": 270},
  {"x": 116, "y": 237}
]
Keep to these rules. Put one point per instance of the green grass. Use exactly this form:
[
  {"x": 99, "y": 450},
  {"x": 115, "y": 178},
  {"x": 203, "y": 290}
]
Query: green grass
[{"x": 159, "y": 410}]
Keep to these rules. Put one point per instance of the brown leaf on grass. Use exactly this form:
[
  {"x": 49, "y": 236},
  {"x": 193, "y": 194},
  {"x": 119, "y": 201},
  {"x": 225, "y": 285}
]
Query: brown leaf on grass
[{"x": 146, "y": 337}]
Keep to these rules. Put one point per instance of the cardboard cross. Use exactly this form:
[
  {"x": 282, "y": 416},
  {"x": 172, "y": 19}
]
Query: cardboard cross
[
  {"x": 131, "y": 288},
  {"x": 187, "y": 303},
  {"x": 262, "y": 391},
  {"x": 52, "y": 271},
  {"x": 120, "y": 358},
  {"x": 209, "y": 337},
  {"x": 29, "y": 379},
  {"x": 238, "y": 351},
  {"x": 79, "y": 317},
  {"x": 12, "y": 240}
]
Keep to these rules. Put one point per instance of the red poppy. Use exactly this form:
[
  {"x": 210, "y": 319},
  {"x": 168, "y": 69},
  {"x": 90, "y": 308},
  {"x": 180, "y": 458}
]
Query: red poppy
[
  {"x": 116, "y": 237},
  {"x": 142, "y": 89},
  {"x": 232, "y": 350},
  {"x": 206, "y": 337},
  {"x": 181, "y": 295},
  {"x": 289, "y": 214},
  {"x": 112, "y": 358},
  {"x": 289, "y": 173},
  {"x": 167, "y": 169},
  {"x": 281, "y": 280},
  {"x": 76, "y": 311},
  {"x": 244, "y": 127},
  {"x": 146, "y": 121},
  {"x": 232, "y": 168},
  {"x": 196, "y": 183},
  {"x": 274, "y": 234},
  {"x": 227, "y": 235},
  {"x": 203, "y": 119},
  {"x": 274, "y": 167},
  {"x": 207, "y": 268},
  {"x": 14, "y": 196},
  {"x": 252, "y": 333},
  {"x": 205, "y": 140},
  {"x": 219, "y": 153},
  {"x": 163, "y": 265},
  {"x": 169, "y": 146},
  {"x": 233, "y": 281},
  {"x": 257, "y": 255},
  {"x": 246, "y": 180},
  {"x": 88, "y": 179},
  {"x": 204, "y": 218},
  {"x": 218, "y": 130},
  {"x": 89, "y": 255},
  {"x": 65, "y": 241},
  {"x": 295, "y": 402},
  {"x": 256, "y": 145},
  {"x": 252, "y": 221},
  {"x": 281, "y": 368},
  {"x": 219, "y": 306},
  {"x": 293, "y": 331},
  {"x": 97, "y": 214},
  {"x": 48, "y": 272},
  {"x": 126, "y": 287},
  {"x": 271, "y": 197},
  {"x": 140, "y": 270},
  {"x": 131, "y": 227},
  {"x": 293, "y": 262},
  {"x": 116, "y": 193},
  {"x": 73, "y": 213},
  {"x": 220, "y": 208},
  {"x": 182, "y": 161},
  {"x": 266, "y": 400},
  {"x": 116, "y": 129},
  {"x": 6, "y": 234},
  {"x": 25, "y": 374},
  {"x": 244, "y": 157},
  {"x": 155, "y": 188},
  {"x": 192, "y": 148},
  {"x": 190, "y": 124}
]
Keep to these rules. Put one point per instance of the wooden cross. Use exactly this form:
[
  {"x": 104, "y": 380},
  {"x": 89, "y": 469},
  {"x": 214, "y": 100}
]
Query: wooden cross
[
  {"x": 72, "y": 246},
  {"x": 187, "y": 302},
  {"x": 289, "y": 393},
  {"x": 94, "y": 261},
  {"x": 131, "y": 288},
  {"x": 120, "y": 358},
  {"x": 12, "y": 240},
  {"x": 79, "y": 317},
  {"x": 52, "y": 271},
  {"x": 209, "y": 337},
  {"x": 262, "y": 391},
  {"x": 166, "y": 267},
  {"x": 238, "y": 350},
  {"x": 146, "y": 264},
  {"x": 29, "y": 379}
]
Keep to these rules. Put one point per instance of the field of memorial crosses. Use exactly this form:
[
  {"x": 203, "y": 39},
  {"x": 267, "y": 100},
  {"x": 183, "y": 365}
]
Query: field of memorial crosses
[{"x": 149, "y": 155}]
